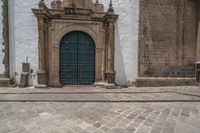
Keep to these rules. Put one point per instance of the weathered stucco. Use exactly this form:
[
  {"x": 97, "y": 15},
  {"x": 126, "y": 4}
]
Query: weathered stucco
[
  {"x": 126, "y": 54},
  {"x": 1, "y": 40}
]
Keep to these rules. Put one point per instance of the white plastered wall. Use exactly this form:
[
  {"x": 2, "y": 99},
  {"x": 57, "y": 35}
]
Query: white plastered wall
[
  {"x": 126, "y": 49},
  {"x": 23, "y": 35},
  {"x": 126, "y": 55}
]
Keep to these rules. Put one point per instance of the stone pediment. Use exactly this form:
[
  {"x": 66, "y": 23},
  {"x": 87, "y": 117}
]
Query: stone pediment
[
  {"x": 81, "y": 4},
  {"x": 69, "y": 8}
]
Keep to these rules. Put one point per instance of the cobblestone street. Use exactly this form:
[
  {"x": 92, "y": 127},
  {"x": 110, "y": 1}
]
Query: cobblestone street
[{"x": 99, "y": 117}]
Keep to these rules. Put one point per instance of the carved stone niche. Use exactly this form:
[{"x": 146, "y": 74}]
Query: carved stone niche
[{"x": 75, "y": 15}]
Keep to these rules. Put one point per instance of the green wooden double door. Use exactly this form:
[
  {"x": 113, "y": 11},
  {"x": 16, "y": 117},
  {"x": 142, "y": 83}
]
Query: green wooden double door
[{"x": 77, "y": 59}]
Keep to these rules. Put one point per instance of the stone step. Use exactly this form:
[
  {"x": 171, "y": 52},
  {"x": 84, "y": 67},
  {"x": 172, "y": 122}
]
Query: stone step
[
  {"x": 164, "y": 81},
  {"x": 4, "y": 82}
]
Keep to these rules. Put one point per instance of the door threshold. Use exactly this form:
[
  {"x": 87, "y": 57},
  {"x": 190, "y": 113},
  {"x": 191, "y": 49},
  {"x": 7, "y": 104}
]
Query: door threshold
[{"x": 79, "y": 86}]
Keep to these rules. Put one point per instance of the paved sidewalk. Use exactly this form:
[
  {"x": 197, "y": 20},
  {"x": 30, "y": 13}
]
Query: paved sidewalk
[
  {"x": 194, "y": 90},
  {"x": 97, "y": 94}
]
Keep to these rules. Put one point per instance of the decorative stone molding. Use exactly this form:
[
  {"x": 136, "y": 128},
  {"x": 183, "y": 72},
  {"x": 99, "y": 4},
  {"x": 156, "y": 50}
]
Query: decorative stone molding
[
  {"x": 6, "y": 38},
  {"x": 75, "y": 15}
]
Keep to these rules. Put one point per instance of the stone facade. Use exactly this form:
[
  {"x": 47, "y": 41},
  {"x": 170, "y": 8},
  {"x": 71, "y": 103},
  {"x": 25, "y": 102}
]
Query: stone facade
[
  {"x": 167, "y": 38},
  {"x": 156, "y": 41}
]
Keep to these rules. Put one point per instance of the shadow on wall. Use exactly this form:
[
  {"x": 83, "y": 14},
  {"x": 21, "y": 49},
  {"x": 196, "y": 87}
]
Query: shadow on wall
[{"x": 119, "y": 61}]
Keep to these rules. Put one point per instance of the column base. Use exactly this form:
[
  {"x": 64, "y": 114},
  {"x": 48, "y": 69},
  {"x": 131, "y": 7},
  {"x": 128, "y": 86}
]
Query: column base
[
  {"x": 41, "y": 86},
  {"x": 110, "y": 86},
  {"x": 110, "y": 76},
  {"x": 105, "y": 85},
  {"x": 55, "y": 84},
  {"x": 42, "y": 79},
  {"x": 101, "y": 84}
]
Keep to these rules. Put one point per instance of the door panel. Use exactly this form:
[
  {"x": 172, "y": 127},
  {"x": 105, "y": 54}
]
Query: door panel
[{"x": 77, "y": 59}]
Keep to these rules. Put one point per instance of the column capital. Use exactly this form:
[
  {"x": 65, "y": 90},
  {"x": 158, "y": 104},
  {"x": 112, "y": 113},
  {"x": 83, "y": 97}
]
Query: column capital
[{"x": 111, "y": 17}]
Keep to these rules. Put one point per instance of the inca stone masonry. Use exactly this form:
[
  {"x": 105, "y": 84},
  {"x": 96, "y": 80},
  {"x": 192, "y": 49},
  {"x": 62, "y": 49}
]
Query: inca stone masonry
[{"x": 99, "y": 42}]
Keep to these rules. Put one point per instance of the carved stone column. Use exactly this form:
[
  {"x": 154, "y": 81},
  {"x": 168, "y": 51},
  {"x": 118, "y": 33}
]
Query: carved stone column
[
  {"x": 42, "y": 33},
  {"x": 42, "y": 75},
  {"x": 110, "y": 19},
  {"x": 41, "y": 44}
]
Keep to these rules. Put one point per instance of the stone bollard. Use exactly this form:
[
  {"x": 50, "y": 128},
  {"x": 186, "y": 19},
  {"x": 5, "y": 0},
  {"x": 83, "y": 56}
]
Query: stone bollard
[{"x": 24, "y": 75}]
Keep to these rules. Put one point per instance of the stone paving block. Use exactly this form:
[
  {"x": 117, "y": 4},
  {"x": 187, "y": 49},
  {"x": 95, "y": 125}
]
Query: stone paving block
[
  {"x": 122, "y": 125},
  {"x": 131, "y": 116},
  {"x": 117, "y": 130},
  {"x": 126, "y": 121},
  {"x": 169, "y": 127},
  {"x": 143, "y": 129},
  {"x": 91, "y": 129},
  {"x": 111, "y": 124},
  {"x": 130, "y": 129},
  {"x": 147, "y": 123},
  {"x": 176, "y": 111},
  {"x": 78, "y": 129},
  {"x": 134, "y": 124},
  {"x": 105, "y": 129},
  {"x": 97, "y": 125},
  {"x": 84, "y": 125},
  {"x": 158, "y": 126},
  {"x": 155, "y": 131},
  {"x": 185, "y": 112}
]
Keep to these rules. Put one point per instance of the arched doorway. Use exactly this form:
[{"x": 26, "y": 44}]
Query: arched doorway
[
  {"x": 77, "y": 59},
  {"x": 71, "y": 62}
]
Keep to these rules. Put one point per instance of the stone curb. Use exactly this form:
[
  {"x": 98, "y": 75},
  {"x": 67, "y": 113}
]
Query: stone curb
[
  {"x": 169, "y": 92},
  {"x": 104, "y": 101}
]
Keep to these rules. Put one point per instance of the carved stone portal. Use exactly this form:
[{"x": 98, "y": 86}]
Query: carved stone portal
[{"x": 75, "y": 15}]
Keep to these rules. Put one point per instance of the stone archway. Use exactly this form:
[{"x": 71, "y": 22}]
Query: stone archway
[{"x": 77, "y": 15}]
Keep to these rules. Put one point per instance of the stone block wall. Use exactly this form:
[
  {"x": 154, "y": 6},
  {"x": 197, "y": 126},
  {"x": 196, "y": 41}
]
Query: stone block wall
[
  {"x": 167, "y": 38},
  {"x": 2, "y": 68}
]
